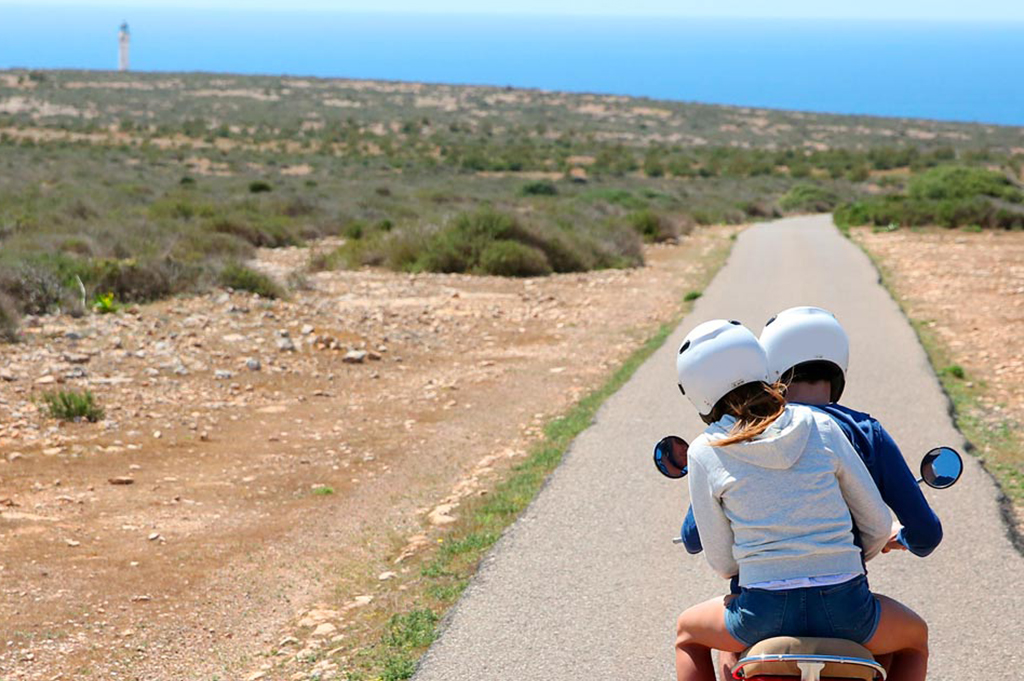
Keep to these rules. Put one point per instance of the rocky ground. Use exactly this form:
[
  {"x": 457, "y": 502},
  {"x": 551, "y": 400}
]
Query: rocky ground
[
  {"x": 262, "y": 461},
  {"x": 968, "y": 287}
]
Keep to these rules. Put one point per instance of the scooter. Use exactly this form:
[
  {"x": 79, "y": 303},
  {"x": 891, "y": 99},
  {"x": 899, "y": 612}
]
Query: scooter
[{"x": 785, "y": 658}]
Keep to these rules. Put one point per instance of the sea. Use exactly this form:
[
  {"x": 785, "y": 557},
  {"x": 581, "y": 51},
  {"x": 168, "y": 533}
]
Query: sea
[{"x": 970, "y": 72}]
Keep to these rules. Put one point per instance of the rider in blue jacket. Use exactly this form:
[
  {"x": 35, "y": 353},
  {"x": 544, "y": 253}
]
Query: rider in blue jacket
[{"x": 809, "y": 350}]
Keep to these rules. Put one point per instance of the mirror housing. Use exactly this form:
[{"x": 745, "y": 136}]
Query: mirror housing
[
  {"x": 941, "y": 467},
  {"x": 670, "y": 457}
]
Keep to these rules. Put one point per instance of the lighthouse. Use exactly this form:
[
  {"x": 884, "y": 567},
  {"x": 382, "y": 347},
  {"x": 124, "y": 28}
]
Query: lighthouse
[{"x": 123, "y": 40}]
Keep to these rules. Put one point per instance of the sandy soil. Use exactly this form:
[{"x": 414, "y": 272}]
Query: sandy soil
[
  {"x": 189, "y": 535},
  {"x": 969, "y": 288}
]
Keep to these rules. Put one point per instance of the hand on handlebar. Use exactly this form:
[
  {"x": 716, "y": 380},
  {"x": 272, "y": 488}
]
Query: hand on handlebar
[{"x": 894, "y": 543}]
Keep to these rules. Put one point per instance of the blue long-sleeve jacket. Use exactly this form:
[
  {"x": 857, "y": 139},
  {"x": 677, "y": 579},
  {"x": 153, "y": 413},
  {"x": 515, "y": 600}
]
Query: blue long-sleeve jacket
[{"x": 922, "y": 530}]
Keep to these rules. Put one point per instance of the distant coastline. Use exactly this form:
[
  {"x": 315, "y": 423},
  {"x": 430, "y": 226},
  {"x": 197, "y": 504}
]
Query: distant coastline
[{"x": 941, "y": 71}]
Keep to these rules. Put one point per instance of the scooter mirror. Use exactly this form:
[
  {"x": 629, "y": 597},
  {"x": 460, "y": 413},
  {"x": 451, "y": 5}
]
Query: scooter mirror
[
  {"x": 941, "y": 467},
  {"x": 670, "y": 456}
]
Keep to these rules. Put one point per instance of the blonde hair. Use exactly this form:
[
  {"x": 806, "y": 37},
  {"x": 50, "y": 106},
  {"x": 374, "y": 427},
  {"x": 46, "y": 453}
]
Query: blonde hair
[{"x": 755, "y": 406}]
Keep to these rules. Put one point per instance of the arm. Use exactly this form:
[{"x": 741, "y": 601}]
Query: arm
[
  {"x": 714, "y": 525},
  {"x": 861, "y": 494},
  {"x": 922, "y": 530},
  {"x": 691, "y": 537}
]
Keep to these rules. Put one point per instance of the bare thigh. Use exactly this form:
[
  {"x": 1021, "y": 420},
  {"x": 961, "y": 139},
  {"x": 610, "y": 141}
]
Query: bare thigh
[
  {"x": 704, "y": 625},
  {"x": 899, "y": 628}
]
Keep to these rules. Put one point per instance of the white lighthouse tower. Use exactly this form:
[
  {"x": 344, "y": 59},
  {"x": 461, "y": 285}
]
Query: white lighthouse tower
[{"x": 123, "y": 40}]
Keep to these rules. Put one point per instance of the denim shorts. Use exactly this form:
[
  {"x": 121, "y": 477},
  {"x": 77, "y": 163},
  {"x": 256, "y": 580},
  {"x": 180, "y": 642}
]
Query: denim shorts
[{"x": 848, "y": 611}]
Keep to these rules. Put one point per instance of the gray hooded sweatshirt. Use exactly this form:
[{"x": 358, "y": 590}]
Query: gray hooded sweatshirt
[{"x": 779, "y": 506}]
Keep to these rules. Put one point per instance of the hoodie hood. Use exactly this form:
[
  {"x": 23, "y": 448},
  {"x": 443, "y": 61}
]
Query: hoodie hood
[{"x": 780, "y": 446}]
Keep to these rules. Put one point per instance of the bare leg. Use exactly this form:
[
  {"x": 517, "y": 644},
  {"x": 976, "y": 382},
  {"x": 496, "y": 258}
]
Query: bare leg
[
  {"x": 726, "y": 661},
  {"x": 901, "y": 631},
  {"x": 698, "y": 630}
]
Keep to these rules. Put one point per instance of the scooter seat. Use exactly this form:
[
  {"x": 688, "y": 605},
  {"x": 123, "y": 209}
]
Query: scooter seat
[{"x": 780, "y": 656}]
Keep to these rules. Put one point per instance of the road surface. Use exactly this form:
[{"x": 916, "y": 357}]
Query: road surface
[{"x": 587, "y": 585}]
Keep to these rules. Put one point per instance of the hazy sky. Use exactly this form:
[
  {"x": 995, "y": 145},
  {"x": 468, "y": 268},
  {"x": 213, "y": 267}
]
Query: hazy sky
[{"x": 979, "y": 10}]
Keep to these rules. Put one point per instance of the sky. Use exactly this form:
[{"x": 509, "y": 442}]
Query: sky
[{"x": 935, "y": 10}]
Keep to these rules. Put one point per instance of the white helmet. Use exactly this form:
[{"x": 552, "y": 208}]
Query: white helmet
[
  {"x": 717, "y": 357},
  {"x": 806, "y": 334}
]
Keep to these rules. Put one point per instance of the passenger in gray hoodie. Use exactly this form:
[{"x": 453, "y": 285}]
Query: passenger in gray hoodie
[{"x": 775, "y": 490}]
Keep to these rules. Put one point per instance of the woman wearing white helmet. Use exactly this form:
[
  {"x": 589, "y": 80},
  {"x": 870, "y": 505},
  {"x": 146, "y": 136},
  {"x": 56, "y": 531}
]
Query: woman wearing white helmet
[{"x": 793, "y": 551}]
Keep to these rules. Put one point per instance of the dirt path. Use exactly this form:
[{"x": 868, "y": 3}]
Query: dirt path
[{"x": 280, "y": 455}]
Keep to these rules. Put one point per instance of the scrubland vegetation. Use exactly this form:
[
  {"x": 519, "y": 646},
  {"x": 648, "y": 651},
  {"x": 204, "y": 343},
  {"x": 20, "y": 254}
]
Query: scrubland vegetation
[{"x": 146, "y": 185}]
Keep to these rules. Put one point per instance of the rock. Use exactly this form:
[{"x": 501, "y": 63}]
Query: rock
[
  {"x": 121, "y": 480},
  {"x": 117, "y": 343},
  {"x": 285, "y": 344},
  {"x": 76, "y": 358},
  {"x": 14, "y": 456},
  {"x": 385, "y": 576},
  {"x": 307, "y": 329},
  {"x": 76, "y": 372},
  {"x": 72, "y": 543},
  {"x": 256, "y": 676},
  {"x": 355, "y": 357},
  {"x": 154, "y": 536},
  {"x": 73, "y": 336},
  {"x": 7, "y": 375},
  {"x": 287, "y": 641},
  {"x": 157, "y": 434},
  {"x": 325, "y": 629},
  {"x": 223, "y": 374},
  {"x": 253, "y": 364},
  {"x": 442, "y": 515},
  {"x": 46, "y": 380}
]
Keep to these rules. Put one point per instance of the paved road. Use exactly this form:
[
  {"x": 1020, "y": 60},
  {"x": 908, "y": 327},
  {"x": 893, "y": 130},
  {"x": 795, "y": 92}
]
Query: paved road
[{"x": 587, "y": 584}]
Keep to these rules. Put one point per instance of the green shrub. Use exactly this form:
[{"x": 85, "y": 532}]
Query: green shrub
[
  {"x": 651, "y": 226},
  {"x": 962, "y": 182},
  {"x": 105, "y": 303},
  {"x": 692, "y": 295},
  {"x": 67, "y": 405},
  {"x": 808, "y": 197},
  {"x": 260, "y": 187},
  {"x": 513, "y": 259},
  {"x": 954, "y": 370},
  {"x": 539, "y": 188},
  {"x": 242, "y": 278}
]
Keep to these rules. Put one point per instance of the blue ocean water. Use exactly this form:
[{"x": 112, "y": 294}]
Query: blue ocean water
[{"x": 963, "y": 72}]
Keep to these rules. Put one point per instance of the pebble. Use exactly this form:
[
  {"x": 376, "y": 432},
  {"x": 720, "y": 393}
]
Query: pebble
[
  {"x": 121, "y": 480},
  {"x": 355, "y": 357},
  {"x": 223, "y": 374},
  {"x": 285, "y": 344},
  {"x": 253, "y": 364}
]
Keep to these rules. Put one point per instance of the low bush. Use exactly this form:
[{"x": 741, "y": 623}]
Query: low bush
[
  {"x": 539, "y": 188},
  {"x": 962, "y": 182},
  {"x": 806, "y": 197},
  {"x": 260, "y": 187},
  {"x": 513, "y": 259},
  {"x": 652, "y": 226},
  {"x": 949, "y": 196},
  {"x": 242, "y": 278},
  {"x": 68, "y": 405}
]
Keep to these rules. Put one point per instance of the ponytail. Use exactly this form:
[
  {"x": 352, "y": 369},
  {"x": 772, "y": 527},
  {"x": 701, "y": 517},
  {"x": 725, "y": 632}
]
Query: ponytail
[{"x": 755, "y": 406}]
